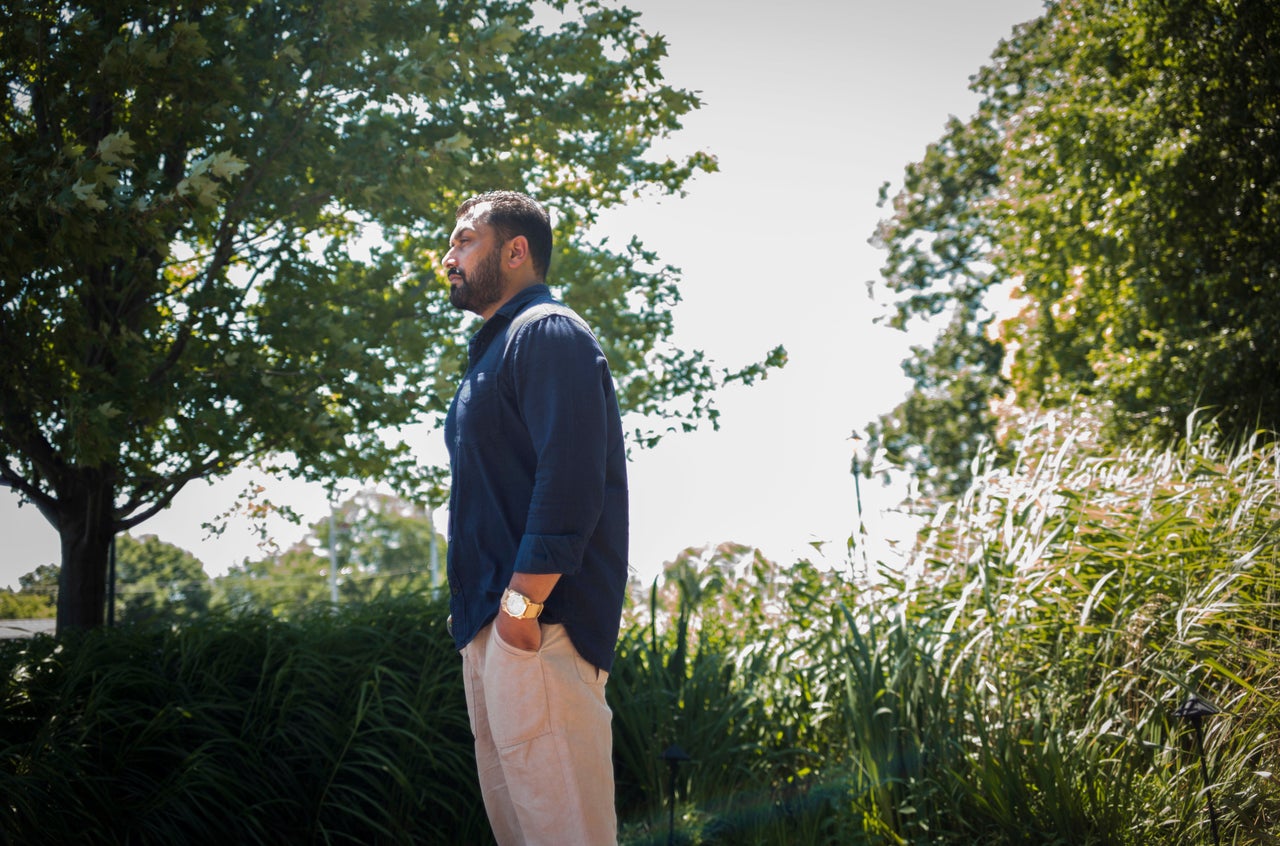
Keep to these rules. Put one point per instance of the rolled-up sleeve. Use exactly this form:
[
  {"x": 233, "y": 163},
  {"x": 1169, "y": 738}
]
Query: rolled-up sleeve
[{"x": 561, "y": 378}]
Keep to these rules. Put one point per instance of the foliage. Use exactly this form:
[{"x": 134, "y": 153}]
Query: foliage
[
  {"x": 703, "y": 664},
  {"x": 385, "y": 543},
  {"x": 222, "y": 221},
  {"x": 948, "y": 419},
  {"x": 18, "y": 605},
  {"x": 36, "y": 597},
  {"x": 1120, "y": 177},
  {"x": 1015, "y": 682},
  {"x": 157, "y": 580},
  {"x": 154, "y": 580},
  {"x": 384, "y": 546},
  {"x": 283, "y": 585},
  {"x": 329, "y": 729},
  {"x": 1073, "y": 603}
]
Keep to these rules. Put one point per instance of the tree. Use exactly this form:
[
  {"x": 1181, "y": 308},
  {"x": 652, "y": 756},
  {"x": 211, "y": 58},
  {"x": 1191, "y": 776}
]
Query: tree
[
  {"x": 24, "y": 606},
  {"x": 221, "y": 223},
  {"x": 940, "y": 247},
  {"x": 946, "y": 421},
  {"x": 281, "y": 584},
  {"x": 43, "y": 579},
  {"x": 1121, "y": 174},
  {"x": 383, "y": 545},
  {"x": 36, "y": 597},
  {"x": 155, "y": 579}
]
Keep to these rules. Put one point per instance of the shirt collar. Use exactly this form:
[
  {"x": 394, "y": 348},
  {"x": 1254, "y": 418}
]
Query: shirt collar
[
  {"x": 480, "y": 340},
  {"x": 523, "y": 297}
]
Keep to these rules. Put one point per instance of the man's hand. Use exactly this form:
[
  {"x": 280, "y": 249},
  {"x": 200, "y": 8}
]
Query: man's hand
[
  {"x": 522, "y": 634},
  {"x": 526, "y": 634}
]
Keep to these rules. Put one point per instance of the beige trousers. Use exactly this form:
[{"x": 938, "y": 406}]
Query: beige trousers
[{"x": 544, "y": 746}]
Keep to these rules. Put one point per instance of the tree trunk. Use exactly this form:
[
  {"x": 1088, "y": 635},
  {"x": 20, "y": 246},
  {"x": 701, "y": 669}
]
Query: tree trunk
[{"x": 86, "y": 527}]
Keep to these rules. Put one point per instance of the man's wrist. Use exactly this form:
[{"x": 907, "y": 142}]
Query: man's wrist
[
  {"x": 518, "y": 605},
  {"x": 534, "y": 587}
]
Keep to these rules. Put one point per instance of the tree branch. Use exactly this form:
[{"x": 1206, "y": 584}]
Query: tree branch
[
  {"x": 45, "y": 504},
  {"x": 175, "y": 484},
  {"x": 27, "y": 440}
]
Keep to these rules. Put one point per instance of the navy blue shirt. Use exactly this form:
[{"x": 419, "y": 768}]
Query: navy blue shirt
[{"x": 539, "y": 477}]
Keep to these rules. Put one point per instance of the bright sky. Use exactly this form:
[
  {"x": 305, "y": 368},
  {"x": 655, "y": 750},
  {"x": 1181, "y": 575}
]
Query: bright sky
[{"x": 810, "y": 105}]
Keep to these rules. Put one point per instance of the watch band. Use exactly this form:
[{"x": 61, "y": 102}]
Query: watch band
[{"x": 517, "y": 605}]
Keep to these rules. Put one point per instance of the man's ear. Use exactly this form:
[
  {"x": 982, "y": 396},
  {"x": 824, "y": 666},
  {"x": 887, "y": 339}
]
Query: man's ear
[{"x": 516, "y": 252}]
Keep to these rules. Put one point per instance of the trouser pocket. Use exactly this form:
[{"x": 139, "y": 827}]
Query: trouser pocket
[{"x": 515, "y": 693}]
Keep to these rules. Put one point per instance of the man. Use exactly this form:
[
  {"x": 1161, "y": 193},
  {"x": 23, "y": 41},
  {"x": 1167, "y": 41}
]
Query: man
[{"x": 537, "y": 533}]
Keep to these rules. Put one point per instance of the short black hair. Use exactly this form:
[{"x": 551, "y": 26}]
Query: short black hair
[{"x": 512, "y": 213}]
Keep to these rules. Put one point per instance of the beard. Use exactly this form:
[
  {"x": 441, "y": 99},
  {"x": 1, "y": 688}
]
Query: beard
[{"x": 479, "y": 289}]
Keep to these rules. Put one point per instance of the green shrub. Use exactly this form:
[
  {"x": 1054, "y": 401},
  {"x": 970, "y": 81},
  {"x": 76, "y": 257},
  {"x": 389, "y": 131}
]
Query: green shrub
[
  {"x": 25, "y": 606},
  {"x": 346, "y": 728}
]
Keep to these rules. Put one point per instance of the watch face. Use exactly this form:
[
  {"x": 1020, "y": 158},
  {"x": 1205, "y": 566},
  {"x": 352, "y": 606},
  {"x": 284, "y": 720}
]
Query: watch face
[{"x": 516, "y": 604}]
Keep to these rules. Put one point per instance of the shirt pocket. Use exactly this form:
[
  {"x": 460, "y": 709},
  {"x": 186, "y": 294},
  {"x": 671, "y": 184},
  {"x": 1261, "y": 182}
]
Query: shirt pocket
[{"x": 479, "y": 413}]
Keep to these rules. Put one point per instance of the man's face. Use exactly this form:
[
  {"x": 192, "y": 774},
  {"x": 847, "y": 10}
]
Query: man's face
[{"x": 474, "y": 264}]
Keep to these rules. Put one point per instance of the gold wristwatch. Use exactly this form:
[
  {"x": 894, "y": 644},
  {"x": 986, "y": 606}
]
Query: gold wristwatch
[{"x": 517, "y": 605}]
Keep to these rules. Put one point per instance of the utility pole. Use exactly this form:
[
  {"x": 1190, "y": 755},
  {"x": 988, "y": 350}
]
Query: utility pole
[
  {"x": 333, "y": 553},
  {"x": 435, "y": 549}
]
